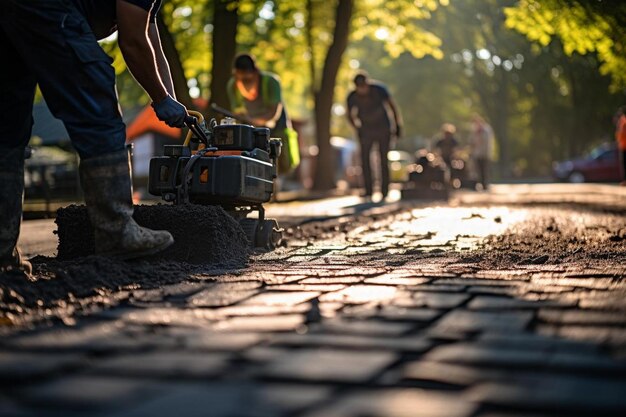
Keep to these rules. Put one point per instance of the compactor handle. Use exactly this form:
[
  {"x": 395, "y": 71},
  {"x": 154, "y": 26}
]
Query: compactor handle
[{"x": 193, "y": 121}]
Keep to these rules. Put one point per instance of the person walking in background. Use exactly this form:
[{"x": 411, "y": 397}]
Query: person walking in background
[
  {"x": 481, "y": 141},
  {"x": 54, "y": 44},
  {"x": 447, "y": 145},
  {"x": 375, "y": 117},
  {"x": 256, "y": 96},
  {"x": 620, "y": 137}
]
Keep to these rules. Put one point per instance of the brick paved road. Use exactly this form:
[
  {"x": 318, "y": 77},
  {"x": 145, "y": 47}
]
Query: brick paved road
[{"x": 375, "y": 320}]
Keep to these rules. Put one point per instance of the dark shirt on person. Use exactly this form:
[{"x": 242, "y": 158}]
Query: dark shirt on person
[
  {"x": 101, "y": 14},
  {"x": 371, "y": 109},
  {"x": 446, "y": 146}
]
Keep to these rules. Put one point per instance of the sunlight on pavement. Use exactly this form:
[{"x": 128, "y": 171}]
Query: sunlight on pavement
[
  {"x": 444, "y": 227},
  {"x": 359, "y": 294},
  {"x": 326, "y": 207}
]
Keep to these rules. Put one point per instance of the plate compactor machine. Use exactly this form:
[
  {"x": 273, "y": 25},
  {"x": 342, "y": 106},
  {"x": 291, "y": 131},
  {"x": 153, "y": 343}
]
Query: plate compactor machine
[{"x": 233, "y": 166}]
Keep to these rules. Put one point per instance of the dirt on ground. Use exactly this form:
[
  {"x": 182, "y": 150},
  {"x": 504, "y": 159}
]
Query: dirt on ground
[
  {"x": 202, "y": 234},
  {"x": 561, "y": 235}
]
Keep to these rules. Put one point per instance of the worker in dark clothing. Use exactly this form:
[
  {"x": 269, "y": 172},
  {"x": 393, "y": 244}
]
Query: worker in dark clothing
[
  {"x": 53, "y": 43},
  {"x": 374, "y": 115}
]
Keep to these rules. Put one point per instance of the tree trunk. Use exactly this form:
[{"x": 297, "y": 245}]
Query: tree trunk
[
  {"x": 225, "y": 21},
  {"x": 325, "y": 171},
  {"x": 500, "y": 125},
  {"x": 176, "y": 66}
]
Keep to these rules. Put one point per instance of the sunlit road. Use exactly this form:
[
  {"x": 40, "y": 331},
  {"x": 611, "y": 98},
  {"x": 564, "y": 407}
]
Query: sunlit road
[{"x": 508, "y": 303}]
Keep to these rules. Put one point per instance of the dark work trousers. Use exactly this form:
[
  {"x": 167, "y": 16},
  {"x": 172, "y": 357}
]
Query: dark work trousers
[
  {"x": 368, "y": 139},
  {"x": 48, "y": 42},
  {"x": 622, "y": 154},
  {"x": 482, "y": 166}
]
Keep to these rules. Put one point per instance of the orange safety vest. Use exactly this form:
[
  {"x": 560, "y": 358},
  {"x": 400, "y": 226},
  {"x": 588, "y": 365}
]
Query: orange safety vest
[{"x": 620, "y": 133}]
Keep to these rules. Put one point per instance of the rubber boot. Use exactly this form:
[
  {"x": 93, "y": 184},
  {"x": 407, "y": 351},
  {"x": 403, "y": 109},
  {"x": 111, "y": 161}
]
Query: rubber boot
[
  {"x": 106, "y": 183},
  {"x": 12, "y": 197}
]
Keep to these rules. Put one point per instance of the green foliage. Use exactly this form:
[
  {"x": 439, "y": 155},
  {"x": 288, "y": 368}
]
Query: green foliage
[{"x": 579, "y": 28}]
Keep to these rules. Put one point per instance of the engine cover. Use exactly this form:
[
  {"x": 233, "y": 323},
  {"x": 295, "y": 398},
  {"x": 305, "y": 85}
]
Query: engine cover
[{"x": 228, "y": 180}]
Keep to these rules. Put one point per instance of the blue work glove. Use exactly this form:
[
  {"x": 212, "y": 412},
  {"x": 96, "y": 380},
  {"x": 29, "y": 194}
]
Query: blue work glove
[{"x": 170, "y": 111}]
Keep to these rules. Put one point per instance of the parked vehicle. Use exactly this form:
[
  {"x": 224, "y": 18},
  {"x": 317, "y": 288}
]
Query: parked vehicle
[
  {"x": 51, "y": 174},
  {"x": 600, "y": 165}
]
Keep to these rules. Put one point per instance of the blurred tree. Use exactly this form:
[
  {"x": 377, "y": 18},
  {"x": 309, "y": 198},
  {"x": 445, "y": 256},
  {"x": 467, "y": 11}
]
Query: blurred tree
[
  {"x": 224, "y": 43},
  {"x": 582, "y": 26},
  {"x": 325, "y": 172}
]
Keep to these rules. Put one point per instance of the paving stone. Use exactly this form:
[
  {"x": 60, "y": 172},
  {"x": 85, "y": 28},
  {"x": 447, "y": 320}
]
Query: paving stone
[
  {"x": 198, "y": 400},
  {"x": 360, "y": 294},
  {"x": 94, "y": 337},
  {"x": 524, "y": 358},
  {"x": 394, "y": 279},
  {"x": 215, "y": 341},
  {"x": 485, "y": 302},
  {"x": 449, "y": 373},
  {"x": 362, "y": 327},
  {"x": 398, "y": 403},
  {"x": 409, "y": 344},
  {"x": 392, "y": 313},
  {"x": 535, "y": 341},
  {"x": 358, "y": 271},
  {"x": 556, "y": 394},
  {"x": 285, "y": 322},
  {"x": 275, "y": 298},
  {"x": 481, "y": 282},
  {"x": 514, "y": 274},
  {"x": 546, "y": 289},
  {"x": 290, "y": 398},
  {"x": 582, "y": 317},
  {"x": 436, "y": 300},
  {"x": 597, "y": 334},
  {"x": 90, "y": 392},
  {"x": 493, "y": 290},
  {"x": 263, "y": 354},
  {"x": 300, "y": 259},
  {"x": 605, "y": 301},
  {"x": 438, "y": 288},
  {"x": 16, "y": 366},
  {"x": 165, "y": 364},
  {"x": 261, "y": 276},
  {"x": 305, "y": 287},
  {"x": 221, "y": 295},
  {"x": 596, "y": 284},
  {"x": 480, "y": 321},
  {"x": 260, "y": 310},
  {"x": 332, "y": 280},
  {"x": 329, "y": 365},
  {"x": 170, "y": 316}
]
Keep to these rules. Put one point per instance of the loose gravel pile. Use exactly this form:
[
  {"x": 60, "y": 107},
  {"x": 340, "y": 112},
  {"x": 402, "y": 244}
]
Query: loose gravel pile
[{"x": 202, "y": 234}]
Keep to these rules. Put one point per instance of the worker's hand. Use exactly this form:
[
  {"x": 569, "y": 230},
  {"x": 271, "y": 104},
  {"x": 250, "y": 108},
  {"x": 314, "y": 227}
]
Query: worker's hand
[{"x": 170, "y": 111}]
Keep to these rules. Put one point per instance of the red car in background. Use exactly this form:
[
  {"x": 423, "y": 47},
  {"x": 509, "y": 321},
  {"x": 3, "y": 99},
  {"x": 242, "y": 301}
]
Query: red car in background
[{"x": 600, "y": 165}]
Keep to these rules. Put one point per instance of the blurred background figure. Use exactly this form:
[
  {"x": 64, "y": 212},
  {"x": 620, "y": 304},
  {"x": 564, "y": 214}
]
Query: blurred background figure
[
  {"x": 256, "y": 96},
  {"x": 375, "y": 117},
  {"x": 620, "y": 136},
  {"x": 447, "y": 144},
  {"x": 481, "y": 141}
]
